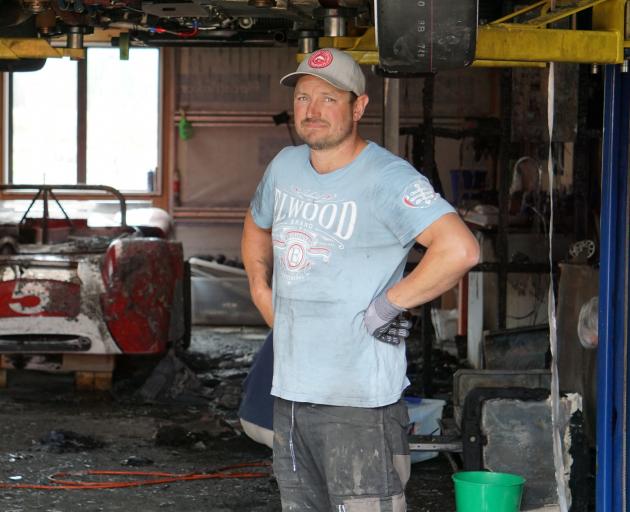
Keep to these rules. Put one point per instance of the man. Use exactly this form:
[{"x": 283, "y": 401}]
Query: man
[{"x": 325, "y": 244}]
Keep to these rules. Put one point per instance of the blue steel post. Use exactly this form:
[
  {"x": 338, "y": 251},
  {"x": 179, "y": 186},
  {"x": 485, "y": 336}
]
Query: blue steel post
[{"x": 612, "y": 364}]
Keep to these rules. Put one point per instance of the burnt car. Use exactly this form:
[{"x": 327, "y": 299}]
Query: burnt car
[{"x": 78, "y": 290}]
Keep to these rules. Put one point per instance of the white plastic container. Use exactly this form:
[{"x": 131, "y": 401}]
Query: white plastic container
[
  {"x": 424, "y": 414},
  {"x": 220, "y": 295},
  {"x": 445, "y": 323}
]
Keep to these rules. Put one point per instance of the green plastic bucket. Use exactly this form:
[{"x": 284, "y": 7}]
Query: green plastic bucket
[{"x": 482, "y": 491}]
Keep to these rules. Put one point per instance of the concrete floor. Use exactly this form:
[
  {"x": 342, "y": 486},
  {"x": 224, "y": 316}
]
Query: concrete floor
[{"x": 126, "y": 428}]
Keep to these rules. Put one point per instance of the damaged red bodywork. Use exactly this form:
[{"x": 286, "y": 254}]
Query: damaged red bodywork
[
  {"x": 70, "y": 287},
  {"x": 44, "y": 297},
  {"x": 142, "y": 278}
]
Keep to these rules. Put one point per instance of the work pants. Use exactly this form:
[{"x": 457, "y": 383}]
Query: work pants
[{"x": 340, "y": 459}]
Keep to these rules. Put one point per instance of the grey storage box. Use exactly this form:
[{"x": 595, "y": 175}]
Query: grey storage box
[
  {"x": 220, "y": 295},
  {"x": 519, "y": 440},
  {"x": 466, "y": 380}
]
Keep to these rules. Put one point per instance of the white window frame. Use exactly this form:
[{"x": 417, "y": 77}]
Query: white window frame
[{"x": 81, "y": 171}]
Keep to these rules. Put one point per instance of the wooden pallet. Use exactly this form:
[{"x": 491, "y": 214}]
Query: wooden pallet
[{"x": 91, "y": 372}]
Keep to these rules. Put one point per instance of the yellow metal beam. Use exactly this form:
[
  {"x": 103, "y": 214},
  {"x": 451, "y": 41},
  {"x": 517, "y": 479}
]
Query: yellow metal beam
[
  {"x": 30, "y": 48},
  {"x": 370, "y": 58},
  {"x": 362, "y": 49},
  {"x": 531, "y": 43},
  {"x": 365, "y": 43},
  {"x": 610, "y": 15},
  {"x": 341, "y": 43},
  {"x": 521, "y": 43},
  {"x": 535, "y": 48},
  {"x": 547, "y": 15},
  {"x": 480, "y": 63}
]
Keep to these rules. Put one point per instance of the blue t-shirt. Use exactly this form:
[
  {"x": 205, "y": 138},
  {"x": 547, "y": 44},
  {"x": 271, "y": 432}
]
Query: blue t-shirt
[{"x": 339, "y": 239}]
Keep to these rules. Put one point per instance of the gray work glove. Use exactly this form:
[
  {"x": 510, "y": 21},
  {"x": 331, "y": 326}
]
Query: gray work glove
[{"x": 385, "y": 322}]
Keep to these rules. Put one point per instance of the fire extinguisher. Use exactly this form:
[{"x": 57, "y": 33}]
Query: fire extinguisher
[{"x": 177, "y": 199}]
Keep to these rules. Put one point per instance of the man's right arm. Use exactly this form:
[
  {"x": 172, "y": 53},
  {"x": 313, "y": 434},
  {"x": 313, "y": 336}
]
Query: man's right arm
[{"x": 257, "y": 253}]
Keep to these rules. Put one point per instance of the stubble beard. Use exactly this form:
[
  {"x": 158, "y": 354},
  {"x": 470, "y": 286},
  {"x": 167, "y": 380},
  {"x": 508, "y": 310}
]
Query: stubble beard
[{"x": 328, "y": 142}]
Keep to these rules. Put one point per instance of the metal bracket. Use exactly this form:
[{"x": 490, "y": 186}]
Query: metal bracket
[
  {"x": 451, "y": 443},
  {"x": 14, "y": 48}
]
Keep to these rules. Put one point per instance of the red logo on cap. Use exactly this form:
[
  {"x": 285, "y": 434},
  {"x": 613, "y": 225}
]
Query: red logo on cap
[{"x": 320, "y": 59}]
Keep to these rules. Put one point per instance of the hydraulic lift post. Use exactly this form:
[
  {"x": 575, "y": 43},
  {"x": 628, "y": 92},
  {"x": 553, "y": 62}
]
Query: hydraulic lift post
[{"x": 612, "y": 363}]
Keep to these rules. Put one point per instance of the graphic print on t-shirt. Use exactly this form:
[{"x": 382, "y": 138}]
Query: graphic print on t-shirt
[
  {"x": 308, "y": 228},
  {"x": 419, "y": 194}
]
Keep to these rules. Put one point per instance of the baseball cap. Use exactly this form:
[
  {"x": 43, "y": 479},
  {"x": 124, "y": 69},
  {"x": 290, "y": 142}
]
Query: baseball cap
[{"x": 336, "y": 67}]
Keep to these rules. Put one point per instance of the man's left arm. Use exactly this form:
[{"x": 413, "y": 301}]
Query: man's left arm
[{"x": 451, "y": 251}]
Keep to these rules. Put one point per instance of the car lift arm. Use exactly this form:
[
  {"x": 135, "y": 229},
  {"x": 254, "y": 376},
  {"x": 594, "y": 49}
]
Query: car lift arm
[{"x": 505, "y": 43}]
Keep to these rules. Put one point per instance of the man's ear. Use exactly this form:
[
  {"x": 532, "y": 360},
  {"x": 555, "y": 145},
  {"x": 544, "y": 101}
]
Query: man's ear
[{"x": 359, "y": 107}]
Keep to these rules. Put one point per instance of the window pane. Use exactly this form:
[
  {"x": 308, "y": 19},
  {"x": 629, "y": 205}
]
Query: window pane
[
  {"x": 44, "y": 134},
  {"x": 122, "y": 117}
]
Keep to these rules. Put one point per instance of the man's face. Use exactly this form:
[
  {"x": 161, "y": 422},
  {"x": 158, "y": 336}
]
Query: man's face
[{"x": 324, "y": 115}]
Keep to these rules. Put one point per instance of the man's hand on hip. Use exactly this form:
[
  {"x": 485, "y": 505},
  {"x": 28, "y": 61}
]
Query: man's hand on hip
[{"x": 385, "y": 322}]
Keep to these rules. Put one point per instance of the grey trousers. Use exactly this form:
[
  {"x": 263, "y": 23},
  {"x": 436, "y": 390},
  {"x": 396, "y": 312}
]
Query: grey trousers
[{"x": 340, "y": 459}]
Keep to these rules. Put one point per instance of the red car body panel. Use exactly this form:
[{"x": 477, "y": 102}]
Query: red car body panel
[
  {"x": 141, "y": 278},
  {"x": 43, "y": 297}
]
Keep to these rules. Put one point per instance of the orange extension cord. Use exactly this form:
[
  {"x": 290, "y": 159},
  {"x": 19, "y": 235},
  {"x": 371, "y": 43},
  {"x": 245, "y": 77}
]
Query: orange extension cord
[{"x": 148, "y": 478}]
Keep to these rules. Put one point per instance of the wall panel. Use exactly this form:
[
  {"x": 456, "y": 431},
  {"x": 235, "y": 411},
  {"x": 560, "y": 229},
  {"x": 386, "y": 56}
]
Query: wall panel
[
  {"x": 233, "y": 79},
  {"x": 229, "y": 95}
]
